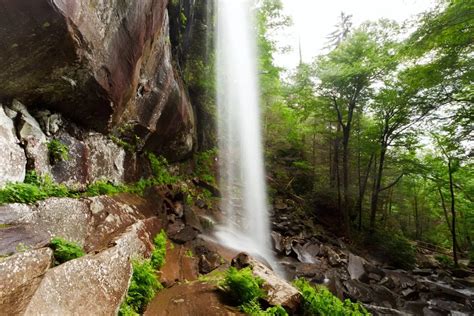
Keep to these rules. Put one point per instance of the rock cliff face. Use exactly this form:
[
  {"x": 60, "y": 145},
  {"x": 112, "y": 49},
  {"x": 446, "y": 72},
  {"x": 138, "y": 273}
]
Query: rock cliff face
[{"x": 102, "y": 64}]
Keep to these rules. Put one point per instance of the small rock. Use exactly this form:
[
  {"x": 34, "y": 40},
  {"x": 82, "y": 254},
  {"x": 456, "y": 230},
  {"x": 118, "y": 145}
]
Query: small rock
[
  {"x": 356, "y": 267},
  {"x": 186, "y": 234}
]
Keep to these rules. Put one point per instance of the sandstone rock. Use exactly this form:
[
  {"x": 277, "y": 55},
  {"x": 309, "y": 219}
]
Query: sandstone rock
[
  {"x": 197, "y": 299},
  {"x": 106, "y": 159},
  {"x": 12, "y": 156},
  {"x": 208, "y": 260},
  {"x": 103, "y": 65},
  {"x": 179, "y": 266},
  {"x": 279, "y": 292},
  {"x": 20, "y": 276},
  {"x": 184, "y": 235},
  {"x": 93, "y": 284},
  {"x": 110, "y": 216},
  {"x": 63, "y": 217},
  {"x": 16, "y": 213},
  {"x": 74, "y": 171},
  {"x": 33, "y": 139},
  {"x": 20, "y": 237}
]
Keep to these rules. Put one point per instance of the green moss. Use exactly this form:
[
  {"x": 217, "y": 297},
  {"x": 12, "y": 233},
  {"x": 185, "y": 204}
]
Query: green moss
[
  {"x": 64, "y": 250},
  {"x": 57, "y": 151},
  {"x": 396, "y": 249},
  {"x": 205, "y": 165},
  {"x": 158, "y": 255},
  {"x": 142, "y": 289},
  {"x": 320, "y": 301}
]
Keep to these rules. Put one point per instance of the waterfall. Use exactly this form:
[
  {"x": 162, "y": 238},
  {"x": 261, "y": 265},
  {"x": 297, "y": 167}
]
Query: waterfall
[{"x": 242, "y": 179}]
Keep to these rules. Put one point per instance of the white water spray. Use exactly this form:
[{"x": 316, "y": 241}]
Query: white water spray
[{"x": 242, "y": 181}]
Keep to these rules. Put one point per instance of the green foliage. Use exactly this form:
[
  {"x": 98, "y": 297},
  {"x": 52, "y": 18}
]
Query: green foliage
[
  {"x": 143, "y": 287},
  {"x": 253, "y": 308},
  {"x": 319, "y": 301},
  {"x": 35, "y": 188},
  {"x": 396, "y": 249},
  {"x": 158, "y": 255},
  {"x": 64, "y": 250},
  {"x": 242, "y": 285},
  {"x": 127, "y": 310},
  {"x": 159, "y": 167},
  {"x": 103, "y": 188},
  {"x": 445, "y": 260},
  {"x": 57, "y": 151},
  {"x": 205, "y": 166}
]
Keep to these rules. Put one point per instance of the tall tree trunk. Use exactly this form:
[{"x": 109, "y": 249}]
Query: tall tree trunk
[
  {"x": 362, "y": 189},
  {"x": 377, "y": 187},
  {"x": 453, "y": 212},
  {"x": 345, "y": 179}
]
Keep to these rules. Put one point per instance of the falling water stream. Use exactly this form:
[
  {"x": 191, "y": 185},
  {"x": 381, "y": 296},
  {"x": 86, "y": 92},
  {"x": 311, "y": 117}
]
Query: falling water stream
[{"x": 242, "y": 181}]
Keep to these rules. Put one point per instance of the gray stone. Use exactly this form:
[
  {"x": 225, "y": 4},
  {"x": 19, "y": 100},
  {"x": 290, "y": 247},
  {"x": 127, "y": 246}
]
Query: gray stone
[
  {"x": 356, "y": 267},
  {"x": 106, "y": 159},
  {"x": 63, "y": 217},
  {"x": 12, "y": 156}
]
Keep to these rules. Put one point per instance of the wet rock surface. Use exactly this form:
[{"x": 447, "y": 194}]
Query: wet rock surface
[
  {"x": 198, "y": 298},
  {"x": 103, "y": 65},
  {"x": 427, "y": 290}
]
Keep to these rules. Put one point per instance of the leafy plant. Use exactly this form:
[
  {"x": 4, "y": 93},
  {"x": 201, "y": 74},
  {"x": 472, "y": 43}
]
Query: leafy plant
[
  {"x": 104, "y": 188},
  {"x": 57, "y": 151},
  {"x": 142, "y": 289},
  {"x": 64, "y": 250},
  {"x": 35, "y": 188},
  {"x": 319, "y": 301},
  {"x": 253, "y": 308},
  {"x": 242, "y": 285},
  {"x": 159, "y": 167},
  {"x": 158, "y": 256}
]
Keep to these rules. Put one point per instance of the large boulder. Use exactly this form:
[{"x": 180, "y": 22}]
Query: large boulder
[
  {"x": 93, "y": 284},
  {"x": 20, "y": 276},
  {"x": 103, "y": 64},
  {"x": 12, "y": 156},
  {"x": 278, "y": 291}
]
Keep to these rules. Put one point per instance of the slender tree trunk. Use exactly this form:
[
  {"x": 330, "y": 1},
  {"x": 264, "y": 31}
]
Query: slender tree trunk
[
  {"x": 345, "y": 180},
  {"x": 446, "y": 216},
  {"x": 415, "y": 208},
  {"x": 453, "y": 212},
  {"x": 362, "y": 189},
  {"x": 378, "y": 184}
]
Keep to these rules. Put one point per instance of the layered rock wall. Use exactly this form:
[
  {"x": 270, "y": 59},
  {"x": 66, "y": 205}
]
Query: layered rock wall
[{"x": 102, "y": 64}]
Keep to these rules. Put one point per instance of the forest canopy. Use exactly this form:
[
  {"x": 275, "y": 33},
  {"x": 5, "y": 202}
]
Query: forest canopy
[{"x": 378, "y": 130}]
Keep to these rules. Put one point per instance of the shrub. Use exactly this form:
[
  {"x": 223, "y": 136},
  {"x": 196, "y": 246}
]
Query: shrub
[
  {"x": 204, "y": 166},
  {"x": 103, "y": 188},
  {"x": 159, "y": 167},
  {"x": 57, "y": 151},
  {"x": 445, "y": 260},
  {"x": 395, "y": 248},
  {"x": 159, "y": 253},
  {"x": 35, "y": 188},
  {"x": 142, "y": 289},
  {"x": 253, "y": 308},
  {"x": 64, "y": 251},
  {"x": 319, "y": 301},
  {"x": 242, "y": 285}
]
